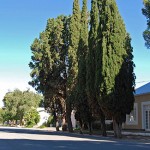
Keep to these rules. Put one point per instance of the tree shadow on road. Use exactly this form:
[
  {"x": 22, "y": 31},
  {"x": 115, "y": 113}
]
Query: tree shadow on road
[
  {"x": 44, "y": 132},
  {"x": 109, "y": 139},
  {"x": 26, "y": 144}
]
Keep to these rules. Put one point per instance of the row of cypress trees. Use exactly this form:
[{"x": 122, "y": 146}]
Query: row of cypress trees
[{"x": 85, "y": 62}]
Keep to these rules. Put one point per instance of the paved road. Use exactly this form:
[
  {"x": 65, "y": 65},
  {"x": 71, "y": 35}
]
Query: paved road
[{"x": 24, "y": 139}]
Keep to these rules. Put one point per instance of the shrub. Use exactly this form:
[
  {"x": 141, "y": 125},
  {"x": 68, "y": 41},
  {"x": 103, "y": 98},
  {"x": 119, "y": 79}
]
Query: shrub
[
  {"x": 43, "y": 126},
  {"x": 31, "y": 118},
  {"x": 50, "y": 121}
]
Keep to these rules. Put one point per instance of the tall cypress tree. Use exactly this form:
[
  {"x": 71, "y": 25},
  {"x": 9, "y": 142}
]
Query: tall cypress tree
[
  {"x": 113, "y": 50},
  {"x": 40, "y": 50},
  {"x": 130, "y": 75},
  {"x": 124, "y": 88},
  {"x": 48, "y": 62},
  {"x": 91, "y": 80},
  {"x": 90, "y": 77},
  {"x": 72, "y": 59},
  {"x": 81, "y": 102},
  {"x": 73, "y": 45}
]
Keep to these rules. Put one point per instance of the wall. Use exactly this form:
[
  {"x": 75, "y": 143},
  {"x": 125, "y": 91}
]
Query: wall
[{"x": 138, "y": 99}]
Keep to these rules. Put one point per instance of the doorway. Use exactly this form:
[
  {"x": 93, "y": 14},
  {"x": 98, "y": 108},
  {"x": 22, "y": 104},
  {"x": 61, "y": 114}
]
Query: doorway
[{"x": 147, "y": 119}]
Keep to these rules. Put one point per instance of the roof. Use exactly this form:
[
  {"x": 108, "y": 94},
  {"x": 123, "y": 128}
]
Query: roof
[
  {"x": 40, "y": 109},
  {"x": 143, "y": 89}
]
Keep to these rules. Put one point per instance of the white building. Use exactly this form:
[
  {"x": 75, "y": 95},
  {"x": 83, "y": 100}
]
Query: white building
[
  {"x": 73, "y": 120},
  {"x": 43, "y": 115}
]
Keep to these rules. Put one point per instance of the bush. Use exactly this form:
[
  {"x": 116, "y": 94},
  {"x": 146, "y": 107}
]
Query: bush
[
  {"x": 31, "y": 118},
  {"x": 30, "y": 125},
  {"x": 43, "y": 126},
  {"x": 1, "y": 116},
  {"x": 50, "y": 121}
]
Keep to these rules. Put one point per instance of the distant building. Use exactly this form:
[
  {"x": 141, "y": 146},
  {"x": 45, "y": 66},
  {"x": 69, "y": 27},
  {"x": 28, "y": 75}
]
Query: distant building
[
  {"x": 139, "y": 118},
  {"x": 43, "y": 115}
]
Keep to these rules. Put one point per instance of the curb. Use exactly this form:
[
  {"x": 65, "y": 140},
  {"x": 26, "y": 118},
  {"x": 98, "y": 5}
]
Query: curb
[
  {"x": 133, "y": 133},
  {"x": 123, "y": 132}
]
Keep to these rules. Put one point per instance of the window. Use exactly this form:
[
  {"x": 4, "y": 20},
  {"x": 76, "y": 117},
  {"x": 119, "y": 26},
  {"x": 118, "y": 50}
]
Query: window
[{"x": 132, "y": 119}]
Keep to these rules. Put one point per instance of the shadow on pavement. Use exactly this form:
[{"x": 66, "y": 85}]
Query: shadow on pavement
[
  {"x": 43, "y": 132},
  {"x": 25, "y": 144},
  {"x": 75, "y": 135}
]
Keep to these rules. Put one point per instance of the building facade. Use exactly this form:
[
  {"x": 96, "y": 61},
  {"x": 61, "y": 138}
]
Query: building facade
[{"x": 139, "y": 118}]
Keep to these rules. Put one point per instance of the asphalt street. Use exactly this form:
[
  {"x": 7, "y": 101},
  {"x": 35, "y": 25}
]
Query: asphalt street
[{"x": 29, "y": 139}]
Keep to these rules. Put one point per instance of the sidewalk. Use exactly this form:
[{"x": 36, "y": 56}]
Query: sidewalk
[
  {"x": 52, "y": 129},
  {"x": 131, "y": 136},
  {"x": 138, "y": 133},
  {"x": 144, "y": 133},
  {"x": 140, "y": 136}
]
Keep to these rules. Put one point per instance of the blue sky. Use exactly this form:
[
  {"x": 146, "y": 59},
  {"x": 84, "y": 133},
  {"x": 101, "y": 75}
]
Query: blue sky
[{"x": 22, "y": 21}]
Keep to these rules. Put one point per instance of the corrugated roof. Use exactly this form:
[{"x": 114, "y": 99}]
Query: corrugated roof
[{"x": 143, "y": 89}]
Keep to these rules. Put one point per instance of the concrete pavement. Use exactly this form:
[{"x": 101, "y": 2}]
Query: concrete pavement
[
  {"x": 139, "y": 133},
  {"x": 129, "y": 136},
  {"x": 39, "y": 139}
]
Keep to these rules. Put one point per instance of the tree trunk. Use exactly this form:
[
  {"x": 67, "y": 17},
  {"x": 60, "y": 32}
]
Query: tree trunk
[
  {"x": 55, "y": 118},
  {"x": 68, "y": 117},
  {"x": 103, "y": 125},
  {"x": 57, "y": 125},
  {"x": 114, "y": 128},
  {"x": 90, "y": 127},
  {"x": 16, "y": 122},
  {"x": 21, "y": 122},
  {"x": 117, "y": 129}
]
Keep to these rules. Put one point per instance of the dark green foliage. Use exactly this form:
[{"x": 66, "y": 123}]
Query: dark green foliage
[
  {"x": 112, "y": 42},
  {"x": 74, "y": 31},
  {"x": 90, "y": 77},
  {"x": 129, "y": 76},
  {"x": 113, "y": 66},
  {"x": 146, "y": 13},
  {"x": 90, "y": 62},
  {"x": 49, "y": 60},
  {"x": 81, "y": 102},
  {"x": 93, "y": 65},
  {"x": 49, "y": 73},
  {"x": 73, "y": 45},
  {"x": 124, "y": 89},
  {"x": 91, "y": 71}
]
